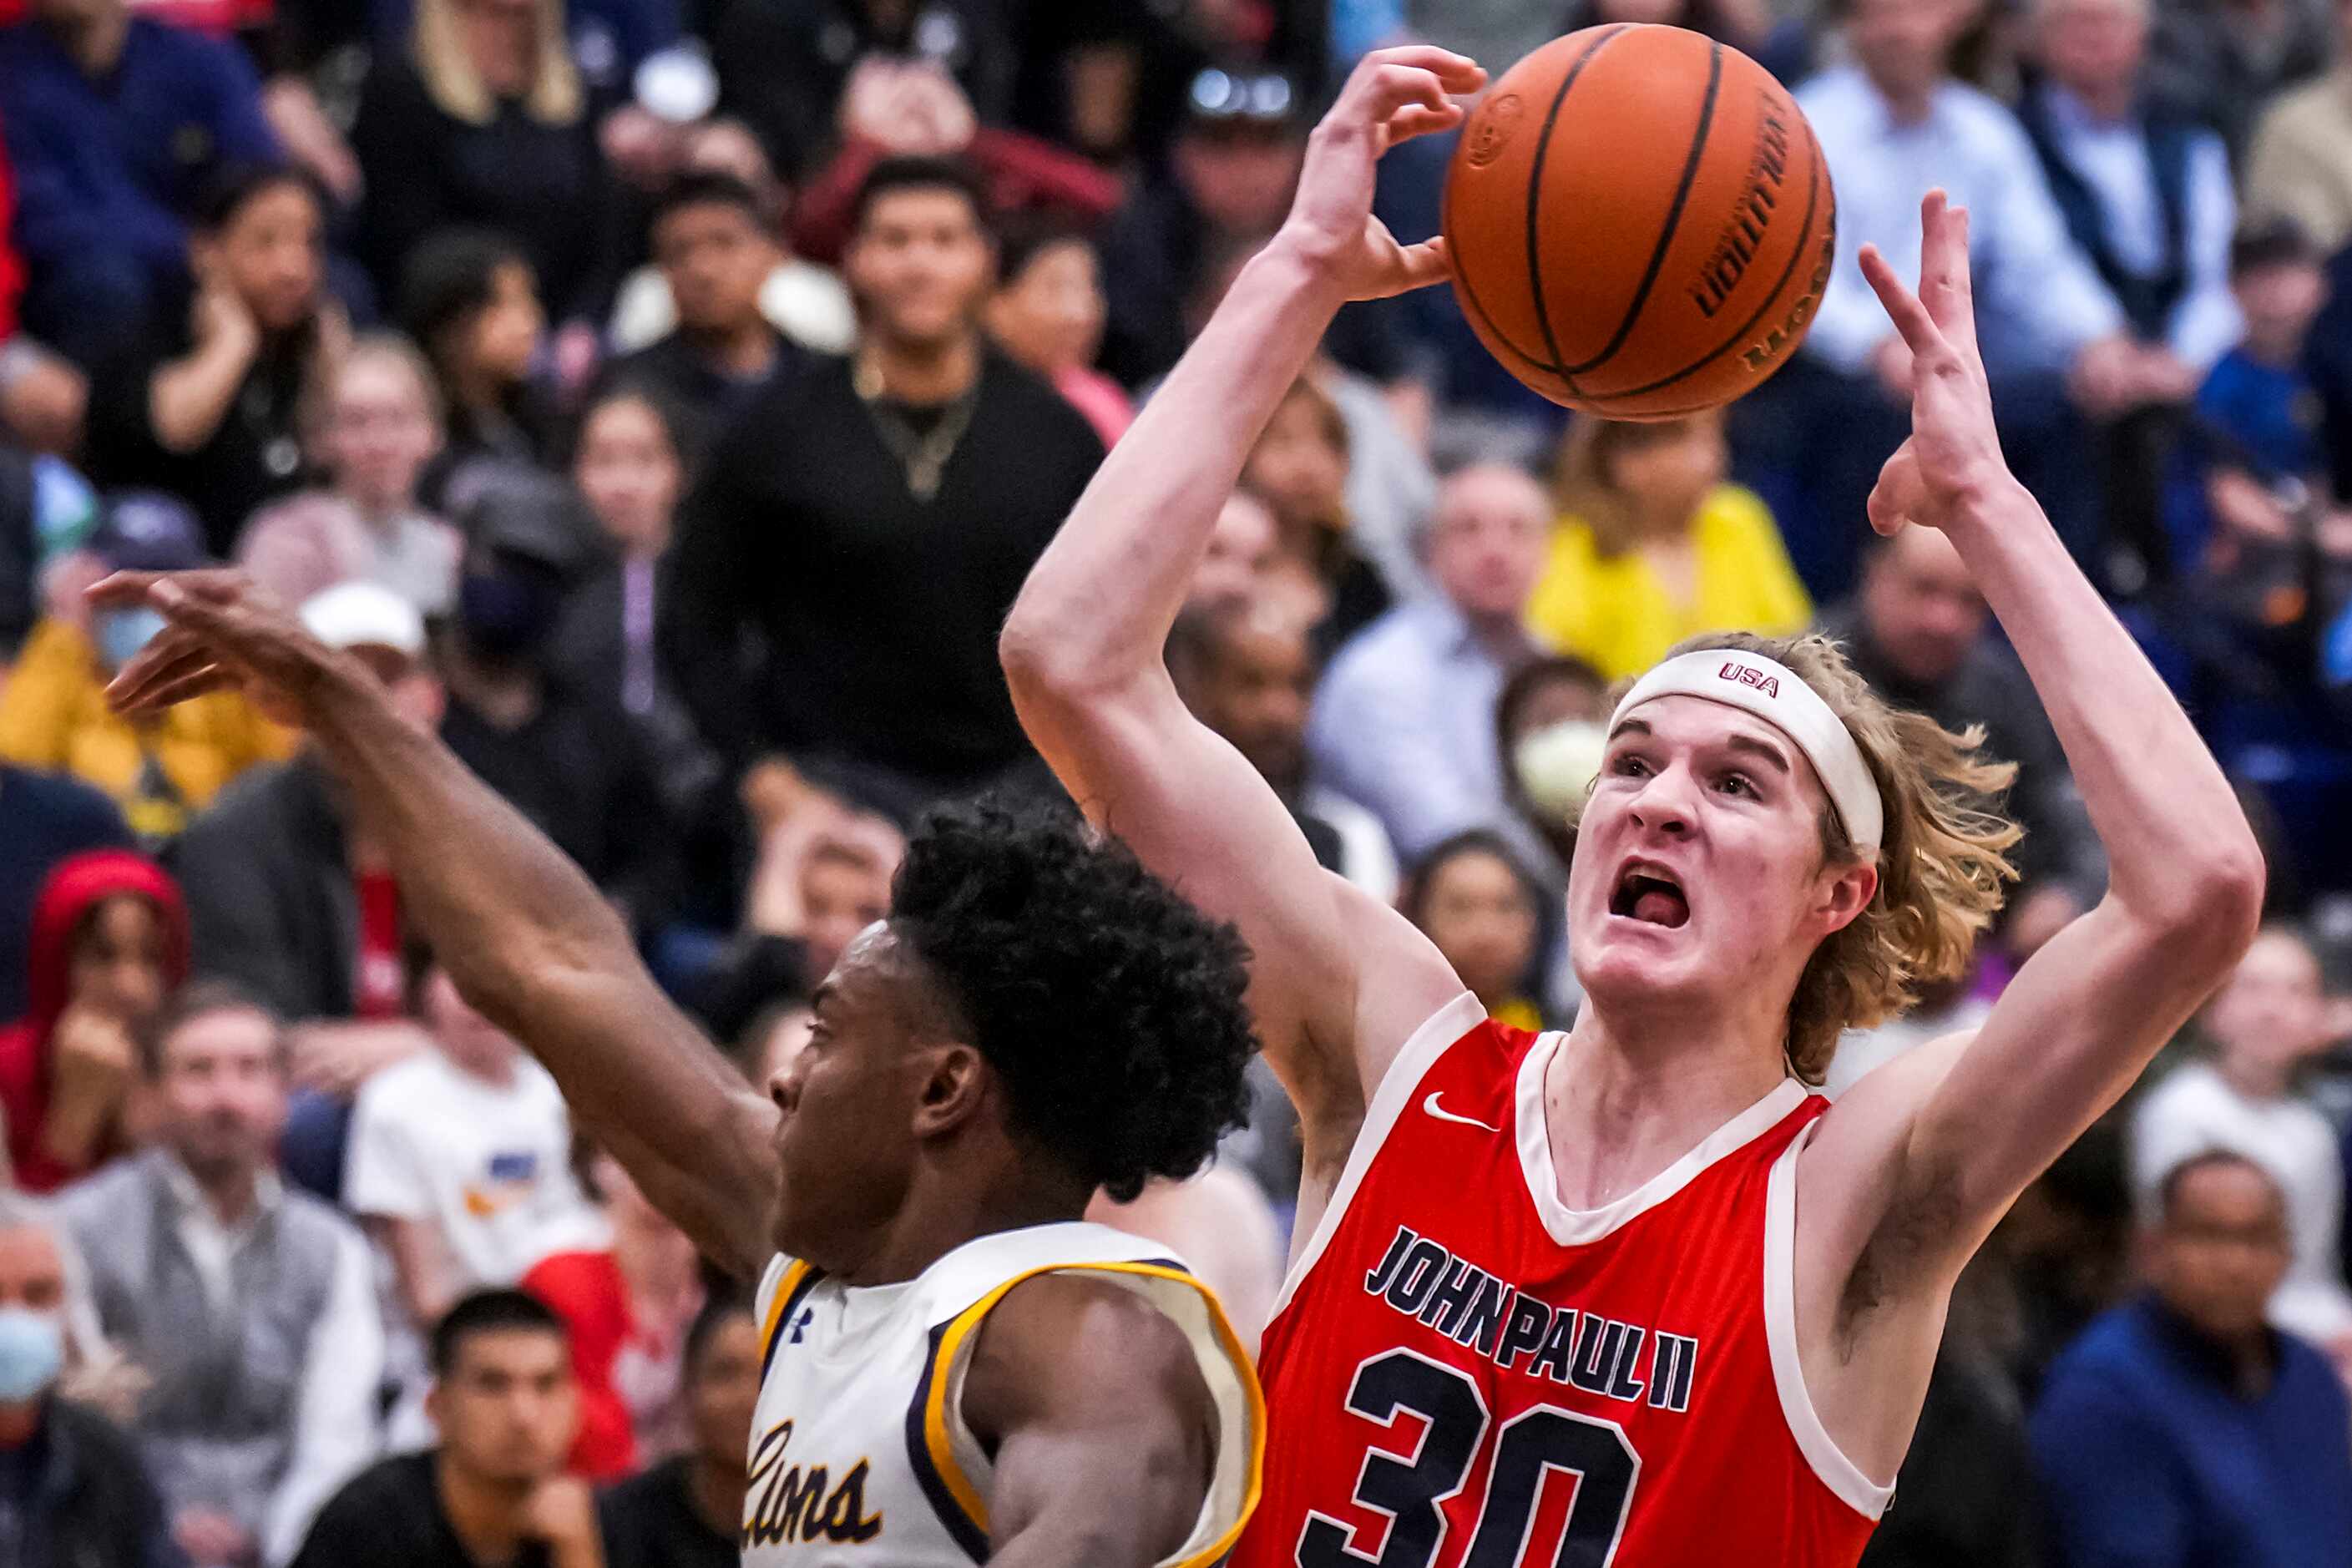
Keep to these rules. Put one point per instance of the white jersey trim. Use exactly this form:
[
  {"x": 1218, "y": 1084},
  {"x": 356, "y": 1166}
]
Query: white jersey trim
[
  {"x": 1829, "y": 1462},
  {"x": 1580, "y": 1227},
  {"x": 1421, "y": 1051}
]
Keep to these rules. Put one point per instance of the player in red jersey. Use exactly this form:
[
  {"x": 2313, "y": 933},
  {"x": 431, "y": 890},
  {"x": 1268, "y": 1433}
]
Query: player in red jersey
[{"x": 1633, "y": 1294}]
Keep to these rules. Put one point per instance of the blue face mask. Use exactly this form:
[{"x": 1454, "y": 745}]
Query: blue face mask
[
  {"x": 32, "y": 1350},
  {"x": 122, "y": 633}
]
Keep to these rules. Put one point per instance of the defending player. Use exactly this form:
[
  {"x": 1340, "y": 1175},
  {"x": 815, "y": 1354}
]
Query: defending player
[
  {"x": 954, "y": 1369},
  {"x": 1630, "y": 1293}
]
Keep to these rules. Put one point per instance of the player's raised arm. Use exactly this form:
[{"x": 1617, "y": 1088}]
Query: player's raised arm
[
  {"x": 1082, "y": 650},
  {"x": 1958, "y": 1129},
  {"x": 527, "y": 937}
]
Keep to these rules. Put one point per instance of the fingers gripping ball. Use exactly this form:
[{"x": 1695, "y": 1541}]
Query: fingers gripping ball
[{"x": 1641, "y": 222}]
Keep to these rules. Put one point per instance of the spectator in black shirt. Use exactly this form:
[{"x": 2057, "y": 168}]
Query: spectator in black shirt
[
  {"x": 784, "y": 65},
  {"x": 470, "y": 302},
  {"x": 565, "y": 758},
  {"x": 687, "y": 1511},
  {"x": 209, "y": 408},
  {"x": 494, "y": 1494},
  {"x": 483, "y": 120},
  {"x": 712, "y": 244},
  {"x": 874, "y": 519},
  {"x": 1228, "y": 181}
]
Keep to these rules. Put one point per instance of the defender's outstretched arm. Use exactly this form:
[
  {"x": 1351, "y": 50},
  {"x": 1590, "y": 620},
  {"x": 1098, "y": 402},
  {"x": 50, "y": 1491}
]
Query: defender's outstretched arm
[
  {"x": 1083, "y": 647},
  {"x": 525, "y": 935}
]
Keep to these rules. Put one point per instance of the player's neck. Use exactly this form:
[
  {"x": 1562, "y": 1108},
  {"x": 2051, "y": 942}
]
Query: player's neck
[
  {"x": 946, "y": 1208},
  {"x": 1626, "y": 1099}
]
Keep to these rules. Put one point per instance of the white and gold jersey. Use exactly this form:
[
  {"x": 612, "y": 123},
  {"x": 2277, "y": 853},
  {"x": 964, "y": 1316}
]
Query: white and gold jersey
[{"x": 860, "y": 1457}]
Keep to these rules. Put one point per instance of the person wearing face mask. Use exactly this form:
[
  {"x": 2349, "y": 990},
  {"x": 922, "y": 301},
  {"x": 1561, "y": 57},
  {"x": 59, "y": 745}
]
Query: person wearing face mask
[
  {"x": 567, "y": 759},
  {"x": 53, "y": 711},
  {"x": 73, "y": 1490}
]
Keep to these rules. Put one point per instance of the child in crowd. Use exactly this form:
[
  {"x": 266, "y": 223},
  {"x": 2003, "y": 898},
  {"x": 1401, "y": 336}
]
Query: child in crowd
[
  {"x": 2264, "y": 1025},
  {"x": 110, "y": 946},
  {"x": 460, "y": 1170},
  {"x": 2255, "y": 543},
  {"x": 470, "y": 300},
  {"x": 380, "y": 426},
  {"x": 1472, "y": 898}
]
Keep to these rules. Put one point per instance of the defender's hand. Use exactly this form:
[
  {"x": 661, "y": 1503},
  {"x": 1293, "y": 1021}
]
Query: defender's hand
[
  {"x": 1392, "y": 96},
  {"x": 222, "y": 633},
  {"x": 1952, "y": 458}
]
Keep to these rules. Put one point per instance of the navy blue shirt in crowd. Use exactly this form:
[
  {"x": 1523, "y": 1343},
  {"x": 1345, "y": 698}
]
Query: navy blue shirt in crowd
[
  {"x": 42, "y": 820},
  {"x": 2150, "y": 1458},
  {"x": 114, "y": 164}
]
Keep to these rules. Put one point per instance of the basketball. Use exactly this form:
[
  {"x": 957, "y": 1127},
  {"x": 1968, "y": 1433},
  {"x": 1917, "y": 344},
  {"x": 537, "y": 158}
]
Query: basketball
[{"x": 1641, "y": 222}]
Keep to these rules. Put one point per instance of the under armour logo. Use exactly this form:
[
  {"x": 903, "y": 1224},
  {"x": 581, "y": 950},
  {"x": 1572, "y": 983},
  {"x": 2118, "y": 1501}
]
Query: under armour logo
[{"x": 801, "y": 1323}]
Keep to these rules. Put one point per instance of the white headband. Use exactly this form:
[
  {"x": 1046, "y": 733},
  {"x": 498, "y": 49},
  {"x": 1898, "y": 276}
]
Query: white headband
[{"x": 1779, "y": 696}]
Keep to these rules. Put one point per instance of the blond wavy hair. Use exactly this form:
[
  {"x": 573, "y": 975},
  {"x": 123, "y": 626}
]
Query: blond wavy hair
[
  {"x": 1943, "y": 865},
  {"x": 453, "y": 82}
]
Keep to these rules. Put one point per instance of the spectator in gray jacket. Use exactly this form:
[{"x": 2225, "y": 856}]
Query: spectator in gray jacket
[{"x": 251, "y": 1308}]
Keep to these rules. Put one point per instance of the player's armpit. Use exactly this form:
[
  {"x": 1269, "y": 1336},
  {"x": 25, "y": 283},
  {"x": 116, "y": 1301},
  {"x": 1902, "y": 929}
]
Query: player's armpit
[{"x": 1102, "y": 1427}]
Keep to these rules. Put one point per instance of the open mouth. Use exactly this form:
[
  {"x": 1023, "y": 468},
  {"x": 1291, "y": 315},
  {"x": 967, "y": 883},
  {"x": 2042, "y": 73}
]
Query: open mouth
[{"x": 1648, "y": 894}]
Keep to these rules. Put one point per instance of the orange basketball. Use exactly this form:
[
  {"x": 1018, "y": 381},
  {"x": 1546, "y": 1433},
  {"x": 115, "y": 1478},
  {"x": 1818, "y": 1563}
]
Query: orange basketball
[{"x": 1641, "y": 222}]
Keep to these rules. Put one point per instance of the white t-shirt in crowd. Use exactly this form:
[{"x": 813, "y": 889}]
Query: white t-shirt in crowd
[
  {"x": 490, "y": 1163},
  {"x": 2195, "y": 1111}
]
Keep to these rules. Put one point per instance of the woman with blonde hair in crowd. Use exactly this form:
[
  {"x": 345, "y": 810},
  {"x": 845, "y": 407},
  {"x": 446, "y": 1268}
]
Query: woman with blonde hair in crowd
[
  {"x": 378, "y": 424},
  {"x": 483, "y": 120},
  {"x": 1653, "y": 546}
]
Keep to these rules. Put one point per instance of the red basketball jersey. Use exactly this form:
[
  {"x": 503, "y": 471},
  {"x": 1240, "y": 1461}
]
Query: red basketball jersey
[{"x": 1463, "y": 1372}]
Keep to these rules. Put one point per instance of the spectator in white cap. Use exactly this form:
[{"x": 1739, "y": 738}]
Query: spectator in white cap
[{"x": 291, "y": 899}]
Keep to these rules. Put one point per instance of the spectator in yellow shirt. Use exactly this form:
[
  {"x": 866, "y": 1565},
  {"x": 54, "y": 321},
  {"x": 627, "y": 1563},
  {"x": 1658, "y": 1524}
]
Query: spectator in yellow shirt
[
  {"x": 53, "y": 711},
  {"x": 1652, "y": 546}
]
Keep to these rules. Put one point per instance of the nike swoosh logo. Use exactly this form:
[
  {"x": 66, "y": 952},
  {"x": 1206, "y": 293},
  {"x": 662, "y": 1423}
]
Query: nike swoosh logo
[{"x": 1431, "y": 1106}]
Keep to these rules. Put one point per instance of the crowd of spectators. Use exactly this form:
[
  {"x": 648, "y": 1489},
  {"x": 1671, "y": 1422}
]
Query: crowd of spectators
[{"x": 665, "y": 401}]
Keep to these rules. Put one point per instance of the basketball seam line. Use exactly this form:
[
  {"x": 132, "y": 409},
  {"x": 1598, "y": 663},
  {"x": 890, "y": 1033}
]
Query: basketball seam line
[
  {"x": 1535, "y": 208},
  {"x": 1470, "y": 293},
  {"x": 1674, "y": 218},
  {"x": 1804, "y": 248}
]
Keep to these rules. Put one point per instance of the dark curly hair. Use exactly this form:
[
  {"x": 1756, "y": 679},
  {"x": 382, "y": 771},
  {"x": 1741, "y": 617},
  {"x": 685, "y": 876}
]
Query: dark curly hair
[{"x": 1110, "y": 1006}]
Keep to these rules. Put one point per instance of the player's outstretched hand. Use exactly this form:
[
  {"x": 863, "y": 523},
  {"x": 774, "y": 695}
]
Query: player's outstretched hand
[
  {"x": 1392, "y": 96},
  {"x": 221, "y": 633},
  {"x": 1953, "y": 454}
]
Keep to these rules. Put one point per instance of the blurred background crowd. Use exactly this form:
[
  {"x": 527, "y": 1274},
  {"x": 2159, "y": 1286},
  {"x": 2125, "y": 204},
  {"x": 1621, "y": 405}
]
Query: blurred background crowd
[{"x": 666, "y": 398}]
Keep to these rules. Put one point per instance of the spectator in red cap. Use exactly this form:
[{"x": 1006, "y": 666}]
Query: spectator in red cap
[{"x": 110, "y": 945}]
